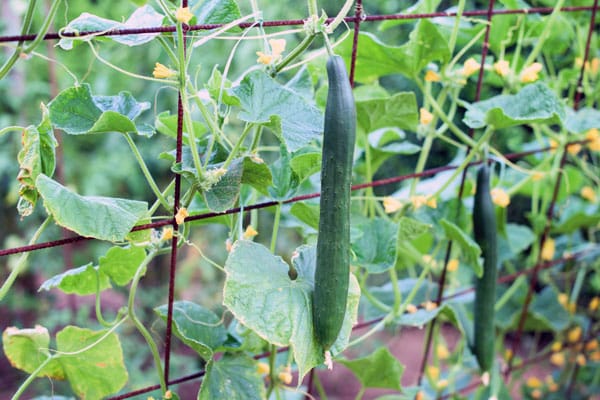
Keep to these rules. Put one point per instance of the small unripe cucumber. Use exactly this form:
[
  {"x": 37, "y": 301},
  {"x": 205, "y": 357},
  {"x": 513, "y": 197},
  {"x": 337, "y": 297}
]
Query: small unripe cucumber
[
  {"x": 484, "y": 227},
  {"x": 332, "y": 272}
]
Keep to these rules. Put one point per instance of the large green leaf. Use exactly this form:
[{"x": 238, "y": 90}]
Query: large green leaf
[
  {"x": 295, "y": 121},
  {"x": 121, "y": 263},
  {"x": 380, "y": 369},
  {"x": 285, "y": 181},
  {"x": 37, "y": 156},
  {"x": 399, "y": 110},
  {"x": 143, "y": 17},
  {"x": 82, "y": 281},
  {"x": 233, "y": 377},
  {"x": 103, "y": 218},
  {"x": 469, "y": 247},
  {"x": 377, "y": 59},
  {"x": 547, "y": 312},
  {"x": 77, "y": 112},
  {"x": 582, "y": 120},
  {"x": 26, "y": 349},
  {"x": 92, "y": 361},
  {"x": 196, "y": 326},
  {"x": 261, "y": 295},
  {"x": 215, "y": 11},
  {"x": 307, "y": 213},
  {"x": 535, "y": 103},
  {"x": 374, "y": 244}
]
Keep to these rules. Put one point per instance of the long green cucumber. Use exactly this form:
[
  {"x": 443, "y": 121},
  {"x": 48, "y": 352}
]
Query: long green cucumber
[
  {"x": 484, "y": 227},
  {"x": 332, "y": 274}
]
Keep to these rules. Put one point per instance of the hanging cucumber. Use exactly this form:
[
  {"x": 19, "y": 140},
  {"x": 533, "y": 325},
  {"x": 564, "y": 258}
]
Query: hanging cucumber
[
  {"x": 332, "y": 272},
  {"x": 484, "y": 227}
]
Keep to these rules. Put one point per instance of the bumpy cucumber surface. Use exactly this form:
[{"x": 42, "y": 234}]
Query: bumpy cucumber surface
[
  {"x": 332, "y": 272},
  {"x": 484, "y": 226}
]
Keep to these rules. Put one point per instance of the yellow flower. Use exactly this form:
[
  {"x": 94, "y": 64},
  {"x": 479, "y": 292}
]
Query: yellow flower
[
  {"x": 452, "y": 265},
  {"x": 574, "y": 334},
  {"x": 264, "y": 58},
  {"x": 167, "y": 234},
  {"x": 262, "y": 368},
  {"x": 429, "y": 260},
  {"x": 228, "y": 245},
  {"x": 419, "y": 395},
  {"x": 183, "y": 15},
  {"x": 578, "y": 62},
  {"x": 500, "y": 197},
  {"x": 182, "y": 213},
  {"x": 594, "y": 304},
  {"x": 470, "y": 67},
  {"x": 432, "y": 76},
  {"x": 588, "y": 193},
  {"x": 534, "y": 382},
  {"x": 591, "y": 345},
  {"x": 593, "y": 135},
  {"x": 548, "y": 249},
  {"x": 425, "y": 116},
  {"x": 595, "y": 356},
  {"x": 431, "y": 202},
  {"x": 508, "y": 353},
  {"x": 536, "y": 394},
  {"x": 250, "y": 232},
  {"x": 442, "y": 352},
  {"x": 558, "y": 359},
  {"x": 552, "y": 386},
  {"x": 277, "y": 47},
  {"x": 595, "y": 66},
  {"x": 502, "y": 68},
  {"x": 556, "y": 347},
  {"x": 168, "y": 395},
  {"x": 391, "y": 204},
  {"x": 163, "y": 72},
  {"x": 537, "y": 176},
  {"x": 433, "y": 372},
  {"x": 563, "y": 299},
  {"x": 430, "y": 305},
  {"x": 574, "y": 148},
  {"x": 411, "y": 309},
  {"x": 442, "y": 384},
  {"x": 553, "y": 144},
  {"x": 580, "y": 360},
  {"x": 285, "y": 376},
  {"x": 530, "y": 74}
]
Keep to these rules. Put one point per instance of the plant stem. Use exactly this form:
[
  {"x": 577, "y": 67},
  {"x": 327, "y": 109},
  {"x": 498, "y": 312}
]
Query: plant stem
[
  {"x": 44, "y": 29},
  {"x": 303, "y": 45},
  {"x": 8, "y": 64},
  {"x": 456, "y": 27},
  {"x": 341, "y": 15},
  {"x": 272, "y": 374},
  {"x": 11, "y": 128},
  {"x": 540, "y": 42},
  {"x": 146, "y": 172},
  {"x": 275, "y": 227},
  {"x": 22, "y": 260},
  {"x": 237, "y": 146}
]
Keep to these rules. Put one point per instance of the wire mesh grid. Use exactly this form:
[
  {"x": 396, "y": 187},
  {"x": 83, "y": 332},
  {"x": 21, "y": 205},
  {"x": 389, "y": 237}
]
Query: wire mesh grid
[{"x": 531, "y": 273}]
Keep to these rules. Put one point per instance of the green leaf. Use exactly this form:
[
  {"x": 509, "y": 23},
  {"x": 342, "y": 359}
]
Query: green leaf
[
  {"x": 77, "y": 112},
  {"x": 547, "y": 312},
  {"x": 307, "y": 213},
  {"x": 535, "y": 103},
  {"x": 121, "y": 263},
  {"x": 375, "y": 244},
  {"x": 81, "y": 281},
  {"x": 305, "y": 163},
  {"x": 215, "y": 11},
  {"x": 469, "y": 247},
  {"x": 26, "y": 349},
  {"x": 518, "y": 238},
  {"x": 294, "y": 121},
  {"x": 261, "y": 295},
  {"x": 223, "y": 194},
  {"x": 196, "y": 326},
  {"x": 576, "y": 221},
  {"x": 37, "y": 156},
  {"x": 582, "y": 120},
  {"x": 380, "y": 369},
  {"x": 166, "y": 124},
  {"x": 103, "y": 218},
  {"x": 377, "y": 59},
  {"x": 257, "y": 174},
  {"x": 94, "y": 365},
  {"x": 399, "y": 110},
  {"x": 218, "y": 89},
  {"x": 143, "y": 17},
  {"x": 285, "y": 180},
  {"x": 410, "y": 229},
  {"x": 234, "y": 377},
  {"x": 388, "y": 142}
]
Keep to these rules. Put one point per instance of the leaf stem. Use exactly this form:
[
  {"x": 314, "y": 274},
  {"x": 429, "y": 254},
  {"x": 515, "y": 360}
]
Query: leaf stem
[
  {"x": 302, "y": 46},
  {"x": 11, "y": 129},
  {"x": 539, "y": 44},
  {"x": 341, "y": 15},
  {"x": 275, "y": 227},
  {"x": 10, "y": 62}
]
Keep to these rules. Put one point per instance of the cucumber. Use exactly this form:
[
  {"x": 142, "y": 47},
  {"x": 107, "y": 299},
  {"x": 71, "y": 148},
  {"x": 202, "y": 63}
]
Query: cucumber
[
  {"x": 484, "y": 227},
  {"x": 332, "y": 273}
]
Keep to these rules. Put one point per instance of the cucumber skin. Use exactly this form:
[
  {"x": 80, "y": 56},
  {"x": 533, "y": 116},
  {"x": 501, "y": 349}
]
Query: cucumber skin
[
  {"x": 332, "y": 273},
  {"x": 484, "y": 227}
]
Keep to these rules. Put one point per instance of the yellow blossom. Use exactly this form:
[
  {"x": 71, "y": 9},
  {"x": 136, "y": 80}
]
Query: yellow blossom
[
  {"x": 183, "y": 15},
  {"x": 182, "y": 213},
  {"x": 502, "y": 68},
  {"x": 429, "y": 260},
  {"x": 552, "y": 385},
  {"x": 168, "y": 395},
  {"x": 537, "y": 176},
  {"x": 442, "y": 384},
  {"x": 262, "y": 368},
  {"x": 432, "y": 76},
  {"x": 593, "y": 136},
  {"x": 500, "y": 197},
  {"x": 595, "y": 65},
  {"x": 167, "y": 234},
  {"x": 563, "y": 299},
  {"x": 425, "y": 116},
  {"x": 530, "y": 74},
  {"x": 548, "y": 249},
  {"x": 536, "y": 394},
  {"x": 391, "y": 204},
  {"x": 594, "y": 304},
  {"x": 558, "y": 359},
  {"x": 574, "y": 334},
  {"x": 163, "y": 72},
  {"x": 442, "y": 352},
  {"x": 580, "y": 360},
  {"x": 285, "y": 376},
  {"x": 411, "y": 309},
  {"x": 420, "y": 200},
  {"x": 534, "y": 382},
  {"x": 595, "y": 356},
  {"x": 228, "y": 245},
  {"x": 250, "y": 232},
  {"x": 431, "y": 202},
  {"x": 430, "y": 305},
  {"x": 574, "y": 148},
  {"x": 419, "y": 395},
  {"x": 588, "y": 193},
  {"x": 508, "y": 354},
  {"x": 264, "y": 58},
  {"x": 452, "y": 265},
  {"x": 433, "y": 372},
  {"x": 556, "y": 347},
  {"x": 591, "y": 345},
  {"x": 277, "y": 47},
  {"x": 470, "y": 67},
  {"x": 553, "y": 144},
  {"x": 578, "y": 62}
]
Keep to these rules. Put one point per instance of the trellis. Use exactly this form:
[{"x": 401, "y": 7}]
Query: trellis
[{"x": 532, "y": 273}]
